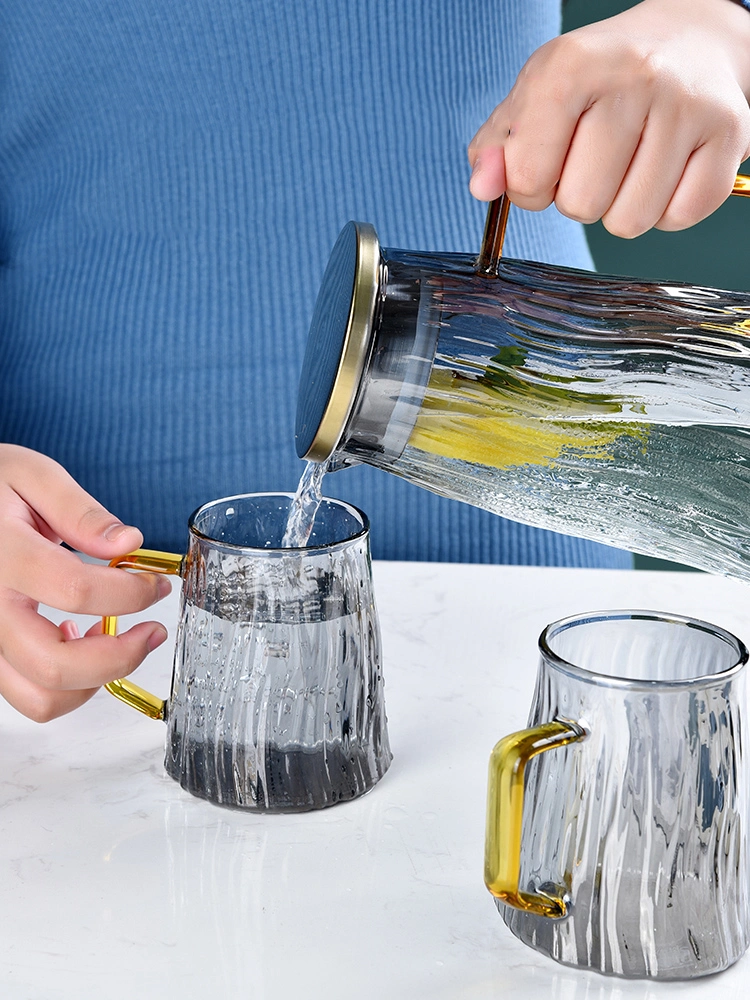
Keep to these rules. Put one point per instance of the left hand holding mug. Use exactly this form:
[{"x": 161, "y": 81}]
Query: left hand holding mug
[{"x": 47, "y": 670}]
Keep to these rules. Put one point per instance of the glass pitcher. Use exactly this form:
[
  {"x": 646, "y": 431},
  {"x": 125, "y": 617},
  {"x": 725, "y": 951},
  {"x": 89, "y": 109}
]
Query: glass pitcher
[{"x": 606, "y": 407}]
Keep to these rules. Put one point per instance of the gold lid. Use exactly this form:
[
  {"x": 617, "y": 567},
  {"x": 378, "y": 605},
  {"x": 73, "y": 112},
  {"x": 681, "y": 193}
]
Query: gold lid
[{"x": 339, "y": 342}]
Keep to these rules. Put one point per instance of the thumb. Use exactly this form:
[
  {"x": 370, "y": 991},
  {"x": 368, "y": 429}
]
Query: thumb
[{"x": 71, "y": 513}]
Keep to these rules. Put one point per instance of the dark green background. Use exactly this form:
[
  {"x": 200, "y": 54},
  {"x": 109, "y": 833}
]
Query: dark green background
[{"x": 714, "y": 252}]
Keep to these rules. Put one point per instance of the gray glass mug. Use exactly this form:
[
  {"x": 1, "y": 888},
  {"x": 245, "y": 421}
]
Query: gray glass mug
[
  {"x": 277, "y": 687},
  {"x": 617, "y": 823}
]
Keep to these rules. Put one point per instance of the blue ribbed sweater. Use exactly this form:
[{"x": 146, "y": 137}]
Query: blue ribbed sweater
[{"x": 172, "y": 178}]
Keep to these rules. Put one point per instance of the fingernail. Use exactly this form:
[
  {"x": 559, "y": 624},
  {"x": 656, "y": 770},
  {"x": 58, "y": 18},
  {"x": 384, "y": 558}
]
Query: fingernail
[
  {"x": 156, "y": 638},
  {"x": 164, "y": 586},
  {"x": 476, "y": 171},
  {"x": 113, "y": 532},
  {"x": 70, "y": 630}
]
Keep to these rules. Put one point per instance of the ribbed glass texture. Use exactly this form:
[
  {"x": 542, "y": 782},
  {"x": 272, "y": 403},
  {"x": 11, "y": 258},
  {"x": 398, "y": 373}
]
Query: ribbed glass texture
[
  {"x": 277, "y": 692},
  {"x": 609, "y": 408},
  {"x": 642, "y": 825}
]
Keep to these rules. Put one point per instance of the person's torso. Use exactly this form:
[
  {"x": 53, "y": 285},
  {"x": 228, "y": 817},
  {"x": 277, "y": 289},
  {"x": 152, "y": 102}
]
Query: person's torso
[{"x": 172, "y": 178}]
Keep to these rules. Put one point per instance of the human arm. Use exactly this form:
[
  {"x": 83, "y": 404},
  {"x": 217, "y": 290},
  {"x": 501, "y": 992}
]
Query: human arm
[
  {"x": 46, "y": 670},
  {"x": 640, "y": 120}
]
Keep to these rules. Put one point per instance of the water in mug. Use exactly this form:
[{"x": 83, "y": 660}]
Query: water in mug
[
  {"x": 285, "y": 779},
  {"x": 279, "y": 714}
]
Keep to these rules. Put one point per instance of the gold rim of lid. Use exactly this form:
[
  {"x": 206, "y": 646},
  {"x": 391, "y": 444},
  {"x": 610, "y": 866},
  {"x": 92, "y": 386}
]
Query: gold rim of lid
[{"x": 355, "y": 349}]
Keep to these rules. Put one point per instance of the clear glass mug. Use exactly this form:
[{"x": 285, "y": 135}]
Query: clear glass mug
[
  {"x": 617, "y": 822},
  {"x": 277, "y": 687},
  {"x": 607, "y": 407}
]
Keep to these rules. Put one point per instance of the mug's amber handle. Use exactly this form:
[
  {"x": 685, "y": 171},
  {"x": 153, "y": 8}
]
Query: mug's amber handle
[
  {"x": 502, "y": 851},
  {"x": 133, "y": 695}
]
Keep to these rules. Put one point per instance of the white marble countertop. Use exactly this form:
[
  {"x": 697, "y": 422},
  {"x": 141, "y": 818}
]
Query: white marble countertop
[{"x": 115, "y": 883}]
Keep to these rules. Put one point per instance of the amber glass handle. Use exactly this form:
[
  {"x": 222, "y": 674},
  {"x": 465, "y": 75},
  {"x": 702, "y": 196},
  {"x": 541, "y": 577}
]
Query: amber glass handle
[
  {"x": 494, "y": 235},
  {"x": 502, "y": 851},
  {"x": 150, "y": 561},
  {"x": 497, "y": 221}
]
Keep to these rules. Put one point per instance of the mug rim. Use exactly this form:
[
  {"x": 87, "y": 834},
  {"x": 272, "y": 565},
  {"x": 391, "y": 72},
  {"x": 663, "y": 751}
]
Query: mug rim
[
  {"x": 363, "y": 532},
  {"x": 617, "y": 681}
]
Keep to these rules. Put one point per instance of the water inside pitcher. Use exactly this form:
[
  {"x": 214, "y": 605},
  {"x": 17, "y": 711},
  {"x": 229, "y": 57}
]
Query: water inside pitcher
[{"x": 607, "y": 407}]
